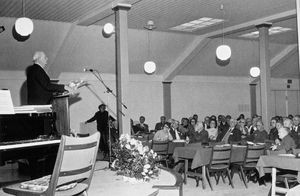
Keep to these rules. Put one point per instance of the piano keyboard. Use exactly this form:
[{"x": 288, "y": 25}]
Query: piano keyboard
[{"x": 29, "y": 144}]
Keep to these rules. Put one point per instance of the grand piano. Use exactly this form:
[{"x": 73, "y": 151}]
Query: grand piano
[{"x": 32, "y": 139}]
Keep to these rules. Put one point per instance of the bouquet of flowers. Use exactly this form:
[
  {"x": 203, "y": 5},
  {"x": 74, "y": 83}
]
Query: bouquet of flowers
[{"x": 132, "y": 159}]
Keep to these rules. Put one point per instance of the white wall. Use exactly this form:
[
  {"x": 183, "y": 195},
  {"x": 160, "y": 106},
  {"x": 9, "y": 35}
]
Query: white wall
[
  {"x": 210, "y": 96},
  {"x": 190, "y": 95}
]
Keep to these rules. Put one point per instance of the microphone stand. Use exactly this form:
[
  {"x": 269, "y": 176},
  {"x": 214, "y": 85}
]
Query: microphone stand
[{"x": 108, "y": 90}]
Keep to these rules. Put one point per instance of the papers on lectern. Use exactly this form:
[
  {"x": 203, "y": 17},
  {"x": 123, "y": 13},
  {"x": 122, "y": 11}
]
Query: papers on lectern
[{"x": 6, "y": 104}]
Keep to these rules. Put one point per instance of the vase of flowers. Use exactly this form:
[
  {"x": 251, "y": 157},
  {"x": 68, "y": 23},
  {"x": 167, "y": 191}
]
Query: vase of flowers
[{"x": 133, "y": 160}]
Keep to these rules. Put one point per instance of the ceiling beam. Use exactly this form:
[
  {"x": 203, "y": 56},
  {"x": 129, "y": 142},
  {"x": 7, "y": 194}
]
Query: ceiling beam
[
  {"x": 279, "y": 58},
  {"x": 185, "y": 57},
  {"x": 102, "y": 13},
  {"x": 251, "y": 24}
]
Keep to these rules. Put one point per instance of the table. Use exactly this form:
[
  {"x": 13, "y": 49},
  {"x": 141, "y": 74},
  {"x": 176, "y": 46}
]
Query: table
[
  {"x": 201, "y": 156},
  {"x": 108, "y": 183},
  {"x": 276, "y": 161}
]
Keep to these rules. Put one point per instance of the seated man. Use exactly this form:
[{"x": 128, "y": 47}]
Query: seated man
[
  {"x": 164, "y": 134},
  {"x": 287, "y": 143},
  {"x": 199, "y": 135},
  {"x": 141, "y": 127},
  {"x": 177, "y": 133},
  {"x": 260, "y": 134},
  {"x": 160, "y": 125}
]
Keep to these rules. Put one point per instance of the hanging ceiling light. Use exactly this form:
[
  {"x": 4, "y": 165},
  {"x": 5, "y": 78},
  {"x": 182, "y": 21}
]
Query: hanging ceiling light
[
  {"x": 223, "y": 52},
  {"x": 24, "y": 25},
  {"x": 254, "y": 72},
  {"x": 108, "y": 30},
  {"x": 149, "y": 66}
]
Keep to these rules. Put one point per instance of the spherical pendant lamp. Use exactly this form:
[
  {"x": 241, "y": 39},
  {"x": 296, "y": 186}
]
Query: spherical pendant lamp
[
  {"x": 223, "y": 52},
  {"x": 108, "y": 30},
  {"x": 24, "y": 26},
  {"x": 149, "y": 67},
  {"x": 254, "y": 72}
]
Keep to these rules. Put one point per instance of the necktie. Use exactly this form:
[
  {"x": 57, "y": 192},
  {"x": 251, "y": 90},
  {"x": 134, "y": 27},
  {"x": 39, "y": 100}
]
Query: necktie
[{"x": 177, "y": 135}]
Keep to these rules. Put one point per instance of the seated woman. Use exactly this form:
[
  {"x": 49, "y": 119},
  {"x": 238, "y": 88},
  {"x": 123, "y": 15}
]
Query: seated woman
[
  {"x": 164, "y": 134},
  {"x": 213, "y": 130},
  {"x": 287, "y": 143},
  {"x": 199, "y": 135}
]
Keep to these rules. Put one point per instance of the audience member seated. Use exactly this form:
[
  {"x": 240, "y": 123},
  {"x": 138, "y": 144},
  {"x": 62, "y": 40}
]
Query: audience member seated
[
  {"x": 288, "y": 123},
  {"x": 195, "y": 116},
  {"x": 287, "y": 143},
  {"x": 160, "y": 125},
  {"x": 184, "y": 126},
  {"x": 260, "y": 135},
  {"x": 241, "y": 126},
  {"x": 295, "y": 132},
  {"x": 142, "y": 127},
  {"x": 192, "y": 125},
  {"x": 222, "y": 127},
  {"x": 199, "y": 135},
  {"x": 273, "y": 133},
  {"x": 213, "y": 130},
  {"x": 206, "y": 122},
  {"x": 163, "y": 134},
  {"x": 174, "y": 131},
  {"x": 232, "y": 135}
]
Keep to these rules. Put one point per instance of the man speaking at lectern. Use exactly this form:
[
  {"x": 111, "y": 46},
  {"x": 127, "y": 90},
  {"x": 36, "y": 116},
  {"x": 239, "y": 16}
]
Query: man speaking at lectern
[{"x": 39, "y": 87}]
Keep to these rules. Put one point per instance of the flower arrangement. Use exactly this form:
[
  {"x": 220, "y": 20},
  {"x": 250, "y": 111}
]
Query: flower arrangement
[{"x": 132, "y": 159}]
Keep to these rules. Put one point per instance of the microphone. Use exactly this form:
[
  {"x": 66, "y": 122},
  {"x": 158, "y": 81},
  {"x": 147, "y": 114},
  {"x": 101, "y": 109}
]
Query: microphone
[{"x": 86, "y": 70}]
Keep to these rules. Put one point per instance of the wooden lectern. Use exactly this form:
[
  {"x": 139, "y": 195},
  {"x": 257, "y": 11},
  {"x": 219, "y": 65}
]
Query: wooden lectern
[{"x": 60, "y": 106}]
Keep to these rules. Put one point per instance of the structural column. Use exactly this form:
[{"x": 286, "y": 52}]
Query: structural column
[
  {"x": 167, "y": 99},
  {"x": 253, "y": 99},
  {"x": 122, "y": 66},
  {"x": 298, "y": 30},
  {"x": 265, "y": 76}
]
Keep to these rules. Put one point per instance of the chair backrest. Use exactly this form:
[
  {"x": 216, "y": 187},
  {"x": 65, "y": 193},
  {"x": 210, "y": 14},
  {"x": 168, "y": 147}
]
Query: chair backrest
[
  {"x": 220, "y": 155},
  {"x": 75, "y": 162},
  {"x": 160, "y": 147},
  {"x": 254, "y": 152}
]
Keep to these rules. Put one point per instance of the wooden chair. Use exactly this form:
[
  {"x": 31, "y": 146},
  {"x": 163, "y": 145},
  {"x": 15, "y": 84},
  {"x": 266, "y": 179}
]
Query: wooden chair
[
  {"x": 74, "y": 165},
  {"x": 161, "y": 148},
  {"x": 219, "y": 164},
  {"x": 248, "y": 166}
]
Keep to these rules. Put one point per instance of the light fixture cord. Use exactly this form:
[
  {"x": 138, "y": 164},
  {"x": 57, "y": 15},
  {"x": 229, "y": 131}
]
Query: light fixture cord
[
  {"x": 23, "y": 8},
  {"x": 148, "y": 45},
  {"x": 223, "y": 14}
]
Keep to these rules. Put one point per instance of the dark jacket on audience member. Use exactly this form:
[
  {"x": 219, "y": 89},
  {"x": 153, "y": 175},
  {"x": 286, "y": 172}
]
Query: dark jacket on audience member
[
  {"x": 273, "y": 135},
  {"x": 296, "y": 136},
  {"x": 235, "y": 136},
  {"x": 181, "y": 135},
  {"x": 287, "y": 143},
  {"x": 159, "y": 126},
  {"x": 201, "y": 136},
  {"x": 259, "y": 136}
]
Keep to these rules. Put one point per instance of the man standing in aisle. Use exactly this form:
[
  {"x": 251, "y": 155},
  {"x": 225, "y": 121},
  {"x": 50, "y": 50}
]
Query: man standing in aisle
[{"x": 101, "y": 117}]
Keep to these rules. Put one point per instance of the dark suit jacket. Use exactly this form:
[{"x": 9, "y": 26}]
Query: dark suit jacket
[
  {"x": 159, "y": 126},
  {"x": 235, "y": 136},
  {"x": 39, "y": 87},
  {"x": 296, "y": 136},
  {"x": 141, "y": 129},
  {"x": 181, "y": 135},
  {"x": 287, "y": 143}
]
